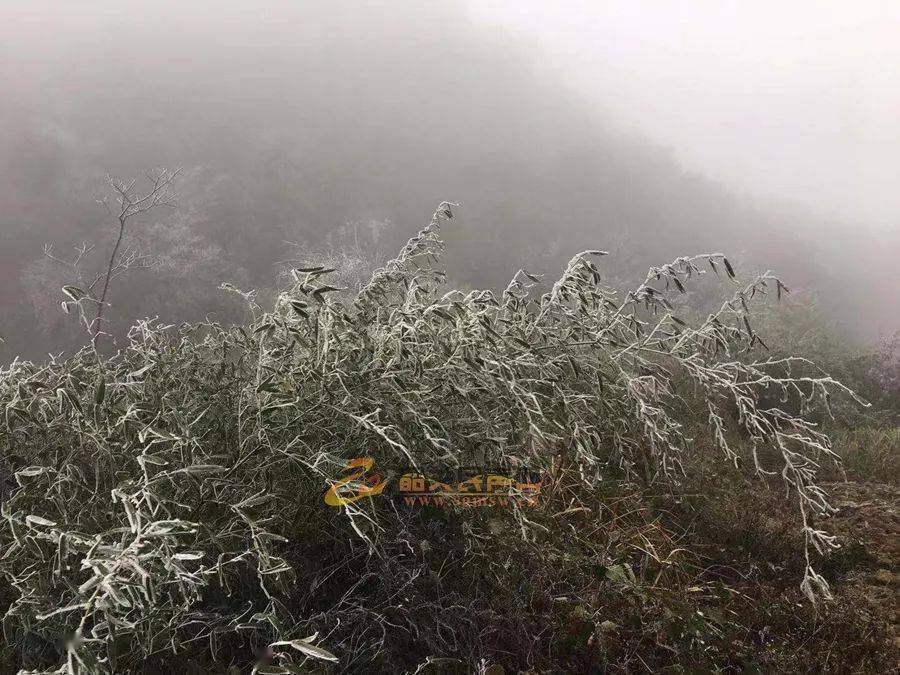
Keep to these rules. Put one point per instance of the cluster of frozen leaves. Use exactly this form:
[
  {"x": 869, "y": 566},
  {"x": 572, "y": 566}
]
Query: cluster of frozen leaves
[{"x": 151, "y": 500}]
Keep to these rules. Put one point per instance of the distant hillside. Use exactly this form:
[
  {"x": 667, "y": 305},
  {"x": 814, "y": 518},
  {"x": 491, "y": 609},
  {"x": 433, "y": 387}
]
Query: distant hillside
[{"x": 317, "y": 118}]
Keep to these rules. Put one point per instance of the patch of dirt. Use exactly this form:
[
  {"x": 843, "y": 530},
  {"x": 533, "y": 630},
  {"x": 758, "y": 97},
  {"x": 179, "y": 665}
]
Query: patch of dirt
[{"x": 868, "y": 518}]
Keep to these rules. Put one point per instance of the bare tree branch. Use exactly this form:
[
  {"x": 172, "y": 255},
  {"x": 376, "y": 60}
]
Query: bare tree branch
[{"x": 131, "y": 204}]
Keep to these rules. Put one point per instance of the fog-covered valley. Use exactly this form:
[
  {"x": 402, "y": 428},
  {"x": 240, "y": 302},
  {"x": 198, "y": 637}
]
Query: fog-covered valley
[{"x": 298, "y": 123}]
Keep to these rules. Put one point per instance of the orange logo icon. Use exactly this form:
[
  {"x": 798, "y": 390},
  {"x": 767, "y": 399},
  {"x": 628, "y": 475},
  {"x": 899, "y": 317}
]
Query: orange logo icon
[{"x": 356, "y": 485}]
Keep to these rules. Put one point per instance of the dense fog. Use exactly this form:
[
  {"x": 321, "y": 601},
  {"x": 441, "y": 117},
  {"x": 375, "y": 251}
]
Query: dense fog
[{"x": 330, "y": 131}]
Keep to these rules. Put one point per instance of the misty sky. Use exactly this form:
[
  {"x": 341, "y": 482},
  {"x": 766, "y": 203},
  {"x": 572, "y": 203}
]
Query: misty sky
[
  {"x": 770, "y": 130},
  {"x": 793, "y": 99},
  {"x": 797, "y": 100}
]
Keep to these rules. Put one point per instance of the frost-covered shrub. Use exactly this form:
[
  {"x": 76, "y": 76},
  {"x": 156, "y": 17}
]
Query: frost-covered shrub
[{"x": 154, "y": 499}]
